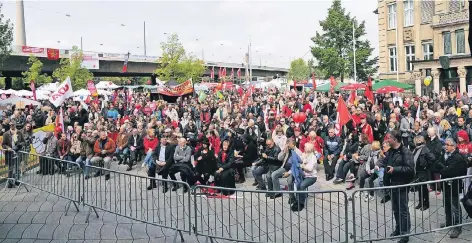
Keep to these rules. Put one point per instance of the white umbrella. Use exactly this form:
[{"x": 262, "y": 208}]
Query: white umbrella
[
  {"x": 24, "y": 93},
  {"x": 16, "y": 100},
  {"x": 106, "y": 85},
  {"x": 81, "y": 92},
  {"x": 103, "y": 92}
]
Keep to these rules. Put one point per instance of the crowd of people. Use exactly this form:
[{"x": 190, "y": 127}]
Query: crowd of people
[{"x": 217, "y": 140}]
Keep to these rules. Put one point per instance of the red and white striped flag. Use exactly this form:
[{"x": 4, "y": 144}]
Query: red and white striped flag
[
  {"x": 212, "y": 73},
  {"x": 125, "y": 65}
]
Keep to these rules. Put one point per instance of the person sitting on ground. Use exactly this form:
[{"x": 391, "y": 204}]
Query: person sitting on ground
[
  {"x": 306, "y": 176},
  {"x": 182, "y": 158},
  {"x": 224, "y": 176},
  {"x": 205, "y": 162},
  {"x": 163, "y": 159},
  {"x": 104, "y": 148}
]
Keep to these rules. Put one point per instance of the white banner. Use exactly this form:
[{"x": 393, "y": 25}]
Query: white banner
[
  {"x": 62, "y": 92},
  {"x": 90, "y": 60}
]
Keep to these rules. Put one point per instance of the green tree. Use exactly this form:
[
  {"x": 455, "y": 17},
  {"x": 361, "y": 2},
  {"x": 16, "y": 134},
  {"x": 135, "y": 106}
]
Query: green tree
[
  {"x": 333, "y": 47},
  {"x": 34, "y": 72},
  {"x": 6, "y": 37},
  {"x": 176, "y": 64},
  {"x": 72, "y": 68},
  {"x": 299, "y": 70},
  {"x": 315, "y": 69}
]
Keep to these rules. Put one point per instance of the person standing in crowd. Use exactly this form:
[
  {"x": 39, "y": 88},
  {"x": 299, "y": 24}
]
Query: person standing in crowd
[
  {"x": 46, "y": 164},
  {"x": 365, "y": 128},
  {"x": 86, "y": 151},
  {"x": 455, "y": 165},
  {"x": 435, "y": 146},
  {"x": 12, "y": 142},
  {"x": 163, "y": 159},
  {"x": 423, "y": 159},
  {"x": 406, "y": 124},
  {"x": 63, "y": 150},
  {"x": 332, "y": 149},
  {"x": 400, "y": 169},
  {"x": 104, "y": 148}
]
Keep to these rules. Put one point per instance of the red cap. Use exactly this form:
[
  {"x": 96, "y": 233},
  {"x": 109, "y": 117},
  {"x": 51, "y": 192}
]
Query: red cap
[{"x": 362, "y": 116}]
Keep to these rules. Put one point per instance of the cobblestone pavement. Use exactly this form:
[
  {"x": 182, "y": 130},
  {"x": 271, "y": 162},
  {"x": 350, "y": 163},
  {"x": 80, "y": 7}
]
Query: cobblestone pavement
[{"x": 37, "y": 216}]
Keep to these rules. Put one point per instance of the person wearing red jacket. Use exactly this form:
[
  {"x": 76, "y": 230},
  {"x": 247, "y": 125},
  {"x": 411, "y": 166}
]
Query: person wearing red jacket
[
  {"x": 307, "y": 107},
  {"x": 286, "y": 111},
  {"x": 316, "y": 140},
  {"x": 463, "y": 143},
  {"x": 366, "y": 128},
  {"x": 215, "y": 143},
  {"x": 150, "y": 142}
]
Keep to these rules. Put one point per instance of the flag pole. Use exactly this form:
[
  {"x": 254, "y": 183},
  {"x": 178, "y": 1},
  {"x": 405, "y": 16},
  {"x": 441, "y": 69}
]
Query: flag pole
[{"x": 354, "y": 49}]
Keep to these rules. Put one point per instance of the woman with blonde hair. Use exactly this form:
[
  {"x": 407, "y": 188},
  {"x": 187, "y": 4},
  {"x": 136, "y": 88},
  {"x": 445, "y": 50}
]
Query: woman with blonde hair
[
  {"x": 447, "y": 130},
  {"x": 307, "y": 174}
]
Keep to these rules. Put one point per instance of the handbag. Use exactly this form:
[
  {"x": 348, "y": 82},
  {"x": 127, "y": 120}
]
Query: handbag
[{"x": 467, "y": 201}]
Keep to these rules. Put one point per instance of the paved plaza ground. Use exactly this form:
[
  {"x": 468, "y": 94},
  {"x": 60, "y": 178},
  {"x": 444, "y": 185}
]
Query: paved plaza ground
[{"x": 41, "y": 217}]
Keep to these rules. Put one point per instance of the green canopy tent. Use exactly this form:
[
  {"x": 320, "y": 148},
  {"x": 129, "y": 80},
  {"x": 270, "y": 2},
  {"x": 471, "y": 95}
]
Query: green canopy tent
[
  {"x": 389, "y": 82},
  {"x": 326, "y": 87}
]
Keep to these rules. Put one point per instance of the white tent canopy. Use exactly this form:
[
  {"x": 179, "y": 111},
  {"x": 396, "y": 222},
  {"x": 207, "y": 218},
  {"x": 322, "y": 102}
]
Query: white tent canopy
[
  {"x": 81, "y": 92},
  {"x": 49, "y": 87},
  {"x": 16, "y": 99},
  {"x": 106, "y": 85},
  {"x": 24, "y": 93},
  {"x": 103, "y": 92}
]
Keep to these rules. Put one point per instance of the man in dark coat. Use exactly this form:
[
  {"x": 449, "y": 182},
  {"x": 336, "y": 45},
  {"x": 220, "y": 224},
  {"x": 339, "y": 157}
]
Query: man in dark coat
[
  {"x": 400, "y": 170},
  {"x": 455, "y": 165},
  {"x": 379, "y": 128},
  {"x": 12, "y": 142},
  {"x": 163, "y": 157},
  {"x": 135, "y": 143}
]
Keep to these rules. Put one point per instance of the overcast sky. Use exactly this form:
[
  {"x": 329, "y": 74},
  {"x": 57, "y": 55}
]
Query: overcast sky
[{"x": 280, "y": 30}]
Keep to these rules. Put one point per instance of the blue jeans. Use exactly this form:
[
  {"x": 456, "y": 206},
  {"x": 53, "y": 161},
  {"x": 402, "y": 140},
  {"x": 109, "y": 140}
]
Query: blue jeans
[
  {"x": 148, "y": 159},
  {"x": 84, "y": 163},
  {"x": 377, "y": 174},
  {"x": 120, "y": 153},
  {"x": 304, "y": 184}
]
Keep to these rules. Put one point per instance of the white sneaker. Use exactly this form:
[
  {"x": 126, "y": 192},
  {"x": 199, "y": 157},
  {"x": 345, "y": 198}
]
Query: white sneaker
[{"x": 143, "y": 165}]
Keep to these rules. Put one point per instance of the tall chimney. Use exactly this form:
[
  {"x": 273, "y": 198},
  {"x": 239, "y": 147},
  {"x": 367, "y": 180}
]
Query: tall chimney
[{"x": 20, "y": 30}]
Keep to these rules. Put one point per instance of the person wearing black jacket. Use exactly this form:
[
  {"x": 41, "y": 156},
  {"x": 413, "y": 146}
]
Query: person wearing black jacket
[
  {"x": 206, "y": 162},
  {"x": 423, "y": 158},
  {"x": 224, "y": 176},
  {"x": 268, "y": 164},
  {"x": 417, "y": 131},
  {"x": 435, "y": 146},
  {"x": 332, "y": 149},
  {"x": 163, "y": 157},
  {"x": 400, "y": 170},
  {"x": 135, "y": 143},
  {"x": 455, "y": 165},
  {"x": 12, "y": 142},
  {"x": 379, "y": 127},
  {"x": 246, "y": 156},
  {"x": 346, "y": 163}
]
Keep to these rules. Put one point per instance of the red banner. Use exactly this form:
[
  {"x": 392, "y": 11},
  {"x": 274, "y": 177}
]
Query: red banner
[
  {"x": 178, "y": 90},
  {"x": 91, "y": 88},
  {"x": 29, "y": 49},
  {"x": 53, "y": 54}
]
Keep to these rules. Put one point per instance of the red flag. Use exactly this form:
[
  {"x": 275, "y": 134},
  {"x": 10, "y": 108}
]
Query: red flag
[
  {"x": 232, "y": 73},
  {"x": 352, "y": 97},
  {"x": 458, "y": 94},
  {"x": 343, "y": 115},
  {"x": 239, "y": 73},
  {"x": 313, "y": 80},
  {"x": 125, "y": 65},
  {"x": 223, "y": 73},
  {"x": 212, "y": 73},
  {"x": 220, "y": 73},
  {"x": 295, "y": 85},
  {"x": 332, "y": 83},
  {"x": 53, "y": 54},
  {"x": 33, "y": 89},
  {"x": 369, "y": 94}
]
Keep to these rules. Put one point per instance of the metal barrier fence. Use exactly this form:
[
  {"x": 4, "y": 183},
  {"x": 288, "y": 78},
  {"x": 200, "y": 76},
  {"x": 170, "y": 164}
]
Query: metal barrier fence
[
  {"x": 250, "y": 216},
  {"x": 52, "y": 175},
  {"x": 422, "y": 207},
  {"x": 127, "y": 195}
]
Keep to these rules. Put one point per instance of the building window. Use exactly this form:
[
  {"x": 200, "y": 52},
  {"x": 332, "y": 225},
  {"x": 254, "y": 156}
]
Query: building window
[
  {"x": 427, "y": 11},
  {"x": 447, "y": 43},
  {"x": 456, "y": 5},
  {"x": 410, "y": 57},
  {"x": 392, "y": 56},
  {"x": 408, "y": 10},
  {"x": 392, "y": 16},
  {"x": 460, "y": 41},
  {"x": 428, "y": 51}
]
